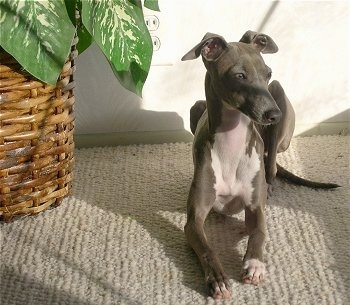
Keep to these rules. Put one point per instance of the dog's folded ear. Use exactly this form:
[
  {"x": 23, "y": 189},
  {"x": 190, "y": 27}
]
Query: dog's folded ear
[
  {"x": 261, "y": 42},
  {"x": 211, "y": 47}
]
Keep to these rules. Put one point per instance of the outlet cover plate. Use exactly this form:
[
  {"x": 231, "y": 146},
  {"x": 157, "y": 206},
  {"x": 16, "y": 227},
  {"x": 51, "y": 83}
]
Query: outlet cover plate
[{"x": 162, "y": 30}]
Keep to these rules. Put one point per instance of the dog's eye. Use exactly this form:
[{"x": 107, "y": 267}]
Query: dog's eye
[
  {"x": 241, "y": 75},
  {"x": 269, "y": 74}
]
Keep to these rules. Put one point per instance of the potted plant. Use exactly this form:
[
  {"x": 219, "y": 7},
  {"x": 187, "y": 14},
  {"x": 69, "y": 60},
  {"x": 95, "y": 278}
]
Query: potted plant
[{"x": 38, "y": 43}]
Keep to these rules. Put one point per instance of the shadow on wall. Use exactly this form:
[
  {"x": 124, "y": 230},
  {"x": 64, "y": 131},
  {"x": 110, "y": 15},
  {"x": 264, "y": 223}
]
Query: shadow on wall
[
  {"x": 110, "y": 112},
  {"x": 337, "y": 124},
  {"x": 268, "y": 15}
]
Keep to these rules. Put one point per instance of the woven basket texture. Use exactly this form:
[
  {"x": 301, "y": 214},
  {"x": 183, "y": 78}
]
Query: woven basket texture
[{"x": 36, "y": 138}]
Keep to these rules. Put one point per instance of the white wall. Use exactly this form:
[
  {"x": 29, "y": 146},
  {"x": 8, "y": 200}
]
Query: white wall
[{"x": 312, "y": 64}]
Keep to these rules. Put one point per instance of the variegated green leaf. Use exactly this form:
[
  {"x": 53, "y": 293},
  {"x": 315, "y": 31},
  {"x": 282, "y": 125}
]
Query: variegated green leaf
[
  {"x": 152, "y": 5},
  {"x": 74, "y": 12},
  {"x": 85, "y": 38},
  {"x": 118, "y": 28},
  {"x": 38, "y": 33}
]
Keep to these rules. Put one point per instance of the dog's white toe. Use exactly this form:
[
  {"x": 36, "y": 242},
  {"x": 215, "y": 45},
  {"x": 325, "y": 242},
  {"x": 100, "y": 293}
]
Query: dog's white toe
[{"x": 253, "y": 271}]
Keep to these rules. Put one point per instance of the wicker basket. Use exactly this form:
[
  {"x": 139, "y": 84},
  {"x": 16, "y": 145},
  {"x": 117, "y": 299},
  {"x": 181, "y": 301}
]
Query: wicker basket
[{"x": 36, "y": 138}]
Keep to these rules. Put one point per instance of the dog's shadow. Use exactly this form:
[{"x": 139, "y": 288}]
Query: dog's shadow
[{"x": 227, "y": 237}]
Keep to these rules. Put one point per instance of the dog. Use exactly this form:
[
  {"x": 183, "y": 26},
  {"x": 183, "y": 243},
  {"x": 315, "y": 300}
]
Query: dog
[{"x": 238, "y": 131}]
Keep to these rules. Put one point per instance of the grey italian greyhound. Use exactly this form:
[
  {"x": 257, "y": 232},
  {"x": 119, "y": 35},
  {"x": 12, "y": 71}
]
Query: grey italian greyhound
[{"x": 238, "y": 130}]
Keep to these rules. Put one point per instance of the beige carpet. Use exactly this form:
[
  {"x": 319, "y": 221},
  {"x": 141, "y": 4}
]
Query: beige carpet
[{"x": 119, "y": 239}]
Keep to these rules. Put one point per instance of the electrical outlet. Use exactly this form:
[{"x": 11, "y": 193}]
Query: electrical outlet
[
  {"x": 161, "y": 28},
  {"x": 152, "y": 22},
  {"x": 156, "y": 43}
]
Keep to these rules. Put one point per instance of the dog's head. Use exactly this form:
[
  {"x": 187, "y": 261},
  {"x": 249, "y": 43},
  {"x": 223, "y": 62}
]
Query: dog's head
[{"x": 238, "y": 75}]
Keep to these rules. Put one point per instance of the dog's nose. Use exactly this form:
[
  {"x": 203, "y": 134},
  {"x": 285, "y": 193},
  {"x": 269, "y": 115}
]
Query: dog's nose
[{"x": 273, "y": 116}]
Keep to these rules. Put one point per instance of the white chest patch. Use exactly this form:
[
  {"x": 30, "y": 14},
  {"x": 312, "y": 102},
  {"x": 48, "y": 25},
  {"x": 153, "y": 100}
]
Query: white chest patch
[{"x": 233, "y": 167}]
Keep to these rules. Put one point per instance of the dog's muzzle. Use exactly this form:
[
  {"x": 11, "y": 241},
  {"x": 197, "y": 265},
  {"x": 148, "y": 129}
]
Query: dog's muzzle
[{"x": 272, "y": 116}]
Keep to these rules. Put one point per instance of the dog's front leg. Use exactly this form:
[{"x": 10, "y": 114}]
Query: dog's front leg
[
  {"x": 253, "y": 266},
  {"x": 198, "y": 207}
]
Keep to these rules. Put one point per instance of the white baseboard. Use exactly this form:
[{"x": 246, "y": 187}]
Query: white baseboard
[
  {"x": 325, "y": 128},
  {"x": 173, "y": 136},
  {"x": 129, "y": 138}
]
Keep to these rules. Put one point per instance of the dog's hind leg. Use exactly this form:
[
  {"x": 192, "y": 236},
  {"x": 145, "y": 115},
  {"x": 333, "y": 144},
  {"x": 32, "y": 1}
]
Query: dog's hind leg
[
  {"x": 285, "y": 127},
  {"x": 196, "y": 112},
  {"x": 277, "y": 137}
]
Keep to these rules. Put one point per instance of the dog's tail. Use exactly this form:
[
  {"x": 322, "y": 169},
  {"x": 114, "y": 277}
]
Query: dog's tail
[{"x": 290, "y": 177}]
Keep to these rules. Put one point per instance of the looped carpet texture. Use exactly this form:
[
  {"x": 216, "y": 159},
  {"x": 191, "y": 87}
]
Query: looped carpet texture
[{"x": 119, "y": 238}]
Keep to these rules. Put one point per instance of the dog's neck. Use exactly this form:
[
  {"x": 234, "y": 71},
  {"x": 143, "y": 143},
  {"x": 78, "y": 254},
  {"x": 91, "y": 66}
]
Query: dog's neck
[
  {"x": 220, "y": 117},
  {"x": 222, "y": 120},
  {"x": 231, "y": 119}
]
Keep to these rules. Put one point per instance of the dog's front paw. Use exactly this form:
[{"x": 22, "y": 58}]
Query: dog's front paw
[
  {"x": 253, "y": 271},
  {"x": 219, "y": 287}
]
